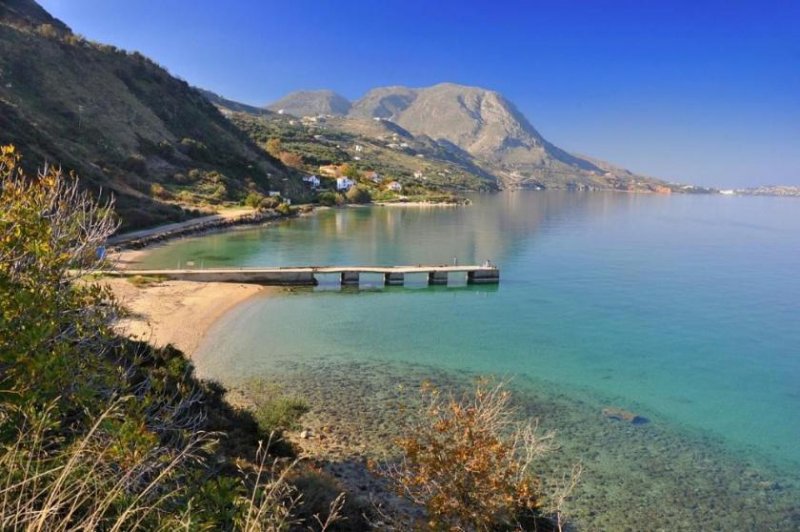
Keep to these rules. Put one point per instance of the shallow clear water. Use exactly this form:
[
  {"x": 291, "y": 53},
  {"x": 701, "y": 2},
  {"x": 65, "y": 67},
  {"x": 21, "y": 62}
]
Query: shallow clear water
[{"x": 684, "y": 309}]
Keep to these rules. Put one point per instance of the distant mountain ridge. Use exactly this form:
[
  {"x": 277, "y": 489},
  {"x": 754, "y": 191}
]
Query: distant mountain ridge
[
  {"x": 481, "y": 122},
  {"x": 304, "y": 103}
]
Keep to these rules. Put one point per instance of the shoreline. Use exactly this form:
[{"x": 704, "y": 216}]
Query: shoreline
[{"x": 180, "y": 313}]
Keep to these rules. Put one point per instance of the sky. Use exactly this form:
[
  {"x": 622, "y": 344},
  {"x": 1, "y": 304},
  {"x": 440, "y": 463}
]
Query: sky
[{"x": 701, "y": 91}]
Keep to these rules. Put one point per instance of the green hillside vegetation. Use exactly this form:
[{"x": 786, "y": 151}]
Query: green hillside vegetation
[
  {"x": 123, "y": 123},
  {"x": 101, "y": 432},
  {"x": 366, "y": 146}
]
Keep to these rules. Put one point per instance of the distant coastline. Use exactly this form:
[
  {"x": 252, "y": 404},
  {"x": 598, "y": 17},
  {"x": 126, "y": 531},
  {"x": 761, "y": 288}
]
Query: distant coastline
[{"x": 787, "y": 191}]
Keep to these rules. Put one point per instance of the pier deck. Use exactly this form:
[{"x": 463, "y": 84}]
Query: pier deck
[{"x": 306, "y": 275}]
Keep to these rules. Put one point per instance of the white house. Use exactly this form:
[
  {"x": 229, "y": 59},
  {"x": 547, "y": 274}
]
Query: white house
[
  {"x": 274, "y": 193},
  {"x": 312, "y": 180},
  {"x": 359, "y": 148},
  {"x": 418, "y": 174},
  {"x": 344, "y": 183},
  {"x": 394, "y": 186}
]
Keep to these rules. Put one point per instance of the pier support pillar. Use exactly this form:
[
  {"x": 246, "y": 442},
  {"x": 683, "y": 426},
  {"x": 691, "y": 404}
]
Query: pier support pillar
[
  {"x": 394, "y": 279},
  {"x": 437, "y": 278},
  {"x": 349, "y": 278},
  {"x": 488, "y": 276}
]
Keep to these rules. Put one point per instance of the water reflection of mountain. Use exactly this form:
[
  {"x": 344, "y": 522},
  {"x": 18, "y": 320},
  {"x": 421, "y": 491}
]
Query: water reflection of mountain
[{"x": 494, "y": 227}]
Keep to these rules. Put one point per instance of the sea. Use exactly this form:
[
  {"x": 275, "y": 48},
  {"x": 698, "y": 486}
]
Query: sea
[{"x": 681, "y": 309}]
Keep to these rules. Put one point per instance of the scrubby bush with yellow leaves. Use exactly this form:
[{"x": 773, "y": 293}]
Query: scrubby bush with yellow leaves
[{"x": 468, "y": 462}]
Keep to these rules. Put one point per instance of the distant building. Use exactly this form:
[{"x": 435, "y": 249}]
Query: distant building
[
  {"x": 394, "y": 186},
  {"x": 274, "y": 193},
  {"x": 393, "y": 146},
  {"x": 344, "y": 183},
  {"x": 312, "y": 181},
  {"x": 375, "y": 177},
  {"x": 359, "y": 148},
  {"x": 418, "y": 174}
]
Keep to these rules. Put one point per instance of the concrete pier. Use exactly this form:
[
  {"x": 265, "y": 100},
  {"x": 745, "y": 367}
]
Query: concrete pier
[
  {"x": 305, "y": 276},
  {"x": 437, "y": 278},
  {"x": 394, "y": 278},
  {"x": 350, "y": 278},
  {"x": 488, "y": 276}
]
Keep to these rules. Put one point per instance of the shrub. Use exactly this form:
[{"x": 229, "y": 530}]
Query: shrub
[
  {"x": 348, "y": 170},
  {"x": 358, "y": 195},
  {"x": 291, "y": 159},
  {"x": 47, "y": 30},
  {"x": 327, "y": 198},
  {"x": 185, "y": 196},
  {"x": 254, "y": 200},
  {"x": 467, "y": 461},
  {"x": 270, "y": 203},
  {"x": 194, "y": 148},
  {"x": 142, "y": 281},
  {"x": 220, "y": 192},
  {"x": 136, "y": 164},
  {"x": 157, "y": 190},
  {"x": 273, "y": 147},
  {"x": 285, "y": 209},
  {"x": 280, "y": 413}
]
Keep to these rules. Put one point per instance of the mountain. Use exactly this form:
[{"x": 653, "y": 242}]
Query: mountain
[
  {"x": 122, "y": 123},
  {"x": 312, "y": 103},
  {"x": 487, "y": 126},
  {"x": 384, "y": 102}
]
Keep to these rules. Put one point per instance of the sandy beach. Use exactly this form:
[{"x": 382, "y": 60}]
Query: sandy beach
[{"x": 176, "y": 312}]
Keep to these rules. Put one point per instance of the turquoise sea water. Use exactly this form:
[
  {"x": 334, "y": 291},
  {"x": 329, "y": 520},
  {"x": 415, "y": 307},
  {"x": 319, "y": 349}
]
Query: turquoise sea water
[{"x": 684, "y": 309}]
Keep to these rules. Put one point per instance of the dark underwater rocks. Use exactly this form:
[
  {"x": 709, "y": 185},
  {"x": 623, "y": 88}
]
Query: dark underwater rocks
[{"x": 623, "y": 415}]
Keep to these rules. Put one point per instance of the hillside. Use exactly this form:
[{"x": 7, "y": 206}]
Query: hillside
[
  {"x": 486, "y": 126},
  {"x": 419, "y": 163},
  {"x": 122, "y": 123}
]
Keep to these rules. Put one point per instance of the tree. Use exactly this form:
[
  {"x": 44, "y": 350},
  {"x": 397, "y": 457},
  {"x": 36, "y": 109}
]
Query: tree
[
  {"x": 291, "y": 159},
  {"x": 350, "y": 171},
  {"x": 327, "y": 198},
  {"x": 254, "y": 199},
  {"x": 358, "y": 195},
  {"x": 273, "y": 147}
]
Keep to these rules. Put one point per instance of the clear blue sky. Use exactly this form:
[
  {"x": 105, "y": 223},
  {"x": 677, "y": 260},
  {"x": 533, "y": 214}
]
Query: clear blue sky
[{"x": 697, "y": 91}]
